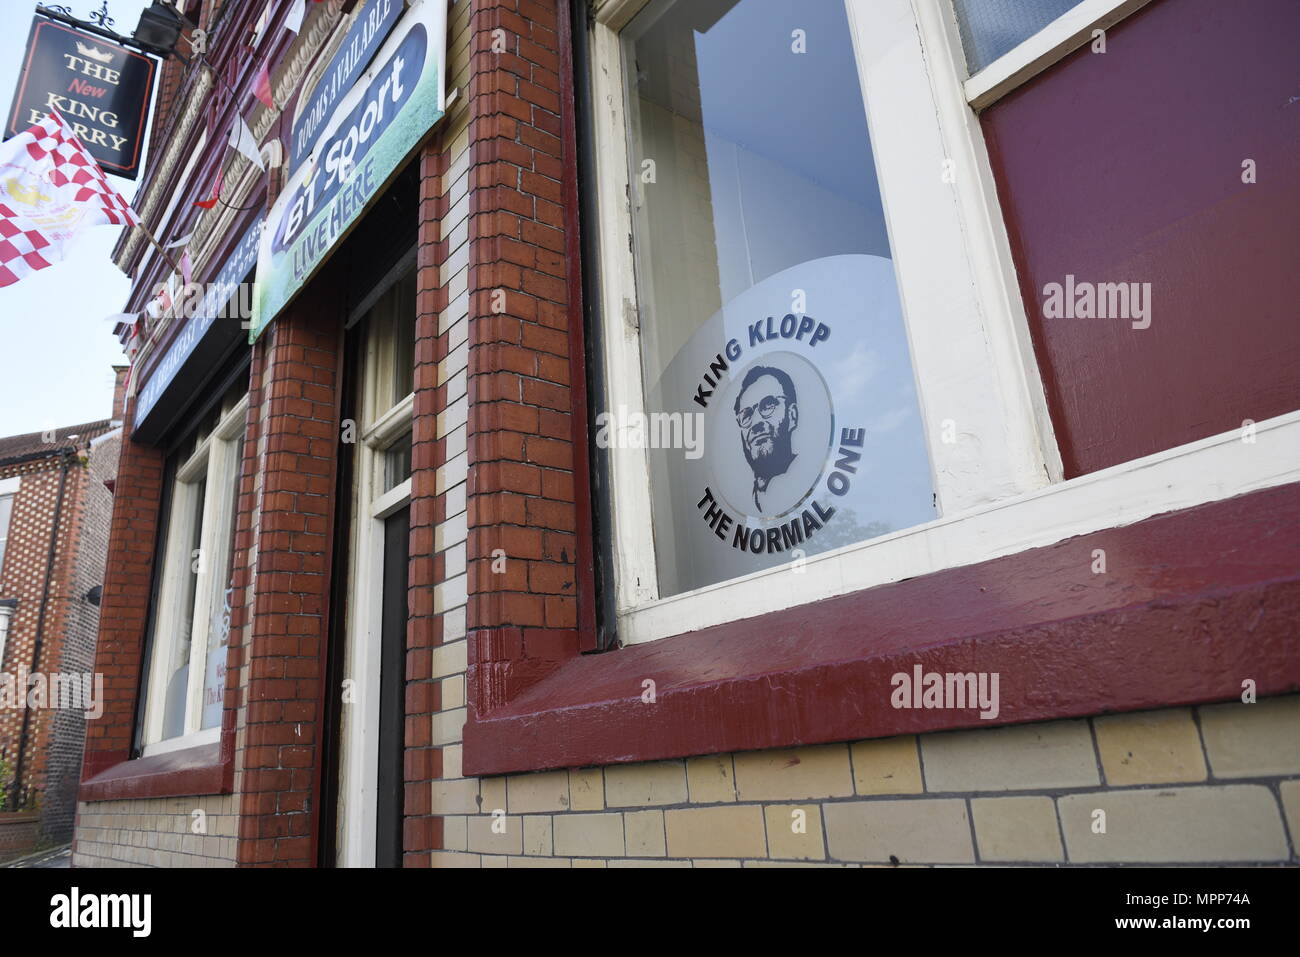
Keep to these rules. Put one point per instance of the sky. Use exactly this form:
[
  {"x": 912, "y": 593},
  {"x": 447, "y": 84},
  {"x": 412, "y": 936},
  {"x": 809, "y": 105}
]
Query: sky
[{"x": 56, "y": 361}]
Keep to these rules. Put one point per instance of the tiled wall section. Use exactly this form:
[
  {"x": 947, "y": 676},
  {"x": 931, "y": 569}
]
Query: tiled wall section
[
  {"x": 437, "y": 509},
  {"x": 163, "y": 832},
  {"x": 1214, "y": 784}
]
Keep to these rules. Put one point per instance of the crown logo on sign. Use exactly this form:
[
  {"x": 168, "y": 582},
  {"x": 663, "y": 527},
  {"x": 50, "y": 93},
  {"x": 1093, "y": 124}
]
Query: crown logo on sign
[{"x": 94, "y": 53}]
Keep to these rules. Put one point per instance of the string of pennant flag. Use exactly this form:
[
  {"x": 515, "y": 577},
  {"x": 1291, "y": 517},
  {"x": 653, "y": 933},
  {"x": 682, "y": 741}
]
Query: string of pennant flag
[
  {"x": 241, "y": 140},
  {"x": 241, "y": 137},
  {"x": 51, "y": 189}
]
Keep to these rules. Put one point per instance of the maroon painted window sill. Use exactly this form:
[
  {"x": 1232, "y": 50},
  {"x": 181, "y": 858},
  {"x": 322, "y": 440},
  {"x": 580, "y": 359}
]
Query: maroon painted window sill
[
  {"x": 207, "y": 769},
  {"x": 1192, "y": 604}
]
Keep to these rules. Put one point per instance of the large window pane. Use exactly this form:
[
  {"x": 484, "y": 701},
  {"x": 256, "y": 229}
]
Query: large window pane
[
  {"x": 218, "y": 632},
  {"x": 391, "y": 342},
  {"x": 768, "y": 304},
  {"x": 176, "y": 649}
]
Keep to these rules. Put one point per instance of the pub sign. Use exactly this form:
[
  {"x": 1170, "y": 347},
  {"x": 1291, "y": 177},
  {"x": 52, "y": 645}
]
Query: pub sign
[{"x": 100, "y": 88}]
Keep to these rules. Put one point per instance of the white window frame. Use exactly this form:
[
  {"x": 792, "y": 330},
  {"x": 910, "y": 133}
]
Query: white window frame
[
  {"x": 999, "y": 487},
  {"x": 379, "y": 430},
  {"x": 9, "y": 490},
  {"x": 214, "y": 462}
]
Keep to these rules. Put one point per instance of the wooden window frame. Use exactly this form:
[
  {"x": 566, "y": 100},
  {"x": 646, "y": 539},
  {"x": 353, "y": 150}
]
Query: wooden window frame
[{"x": 216, "y": 462}]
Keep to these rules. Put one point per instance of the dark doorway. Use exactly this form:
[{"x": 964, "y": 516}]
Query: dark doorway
[{"x": 392, "y": 690}]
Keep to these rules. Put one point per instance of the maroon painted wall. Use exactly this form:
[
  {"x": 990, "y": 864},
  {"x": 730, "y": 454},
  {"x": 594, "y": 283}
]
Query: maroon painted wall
[{"x": 1127, "y": 166}]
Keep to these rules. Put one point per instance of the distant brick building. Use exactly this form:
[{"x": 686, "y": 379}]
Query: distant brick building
[{"x": 56, "y": 504}]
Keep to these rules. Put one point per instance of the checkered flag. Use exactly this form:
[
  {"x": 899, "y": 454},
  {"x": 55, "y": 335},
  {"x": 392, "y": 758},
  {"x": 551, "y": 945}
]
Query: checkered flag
[{"x": 50, "y": 190}]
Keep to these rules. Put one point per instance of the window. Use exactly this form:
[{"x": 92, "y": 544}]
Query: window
[
  {"x": 191, "y": 625},
  {"x": 791, "y": 248},
  {"x": 8, "y": 489},
  {"x": 1000, "y": 45},
  {"x": 990, "y": 28},
  {"x": 768, "y": 173},
  {"x": 768, "y": 303},
  {"x": 390, "y": 346}
]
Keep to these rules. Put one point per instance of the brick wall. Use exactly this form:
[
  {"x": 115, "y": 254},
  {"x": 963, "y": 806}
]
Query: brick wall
[
  {"x": 491, "y": 391},
  {"x": 1211, "y": 784},
  {"x": 298, "y": 438},
  {"x": 25, "y": 564},
  {"x": 19, "y": 834},
  {"x": 74, "y": 652},
  {"x": 438, "y": 567},
  {"x": 519, "y": 481},
  {"x": 52, "y": 758},
  {"x": 124, "y": 607}
]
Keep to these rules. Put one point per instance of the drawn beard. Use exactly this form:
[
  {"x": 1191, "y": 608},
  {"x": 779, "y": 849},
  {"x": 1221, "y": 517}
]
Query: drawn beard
[{"x": 768, "y": 452}]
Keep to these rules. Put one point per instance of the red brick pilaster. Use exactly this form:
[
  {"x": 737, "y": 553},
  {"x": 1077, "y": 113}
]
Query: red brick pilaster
[
  {"x": 284, "y": 655},
  {"x": 124, "y": 608},
  {"x": 522, "y": 619}
]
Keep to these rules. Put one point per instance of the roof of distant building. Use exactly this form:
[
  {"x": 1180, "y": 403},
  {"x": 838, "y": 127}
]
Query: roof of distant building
[{"x": 19, "y": 448}]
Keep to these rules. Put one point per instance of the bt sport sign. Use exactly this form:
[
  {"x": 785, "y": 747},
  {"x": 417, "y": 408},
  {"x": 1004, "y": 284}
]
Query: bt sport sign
[{"x": 100, "y": 88}]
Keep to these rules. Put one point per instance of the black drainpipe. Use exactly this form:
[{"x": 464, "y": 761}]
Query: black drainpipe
[{"x": 66, "y": 463}]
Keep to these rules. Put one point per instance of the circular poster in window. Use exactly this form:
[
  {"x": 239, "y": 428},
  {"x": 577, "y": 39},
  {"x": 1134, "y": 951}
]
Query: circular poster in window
[{"x": 784, "y": 426}]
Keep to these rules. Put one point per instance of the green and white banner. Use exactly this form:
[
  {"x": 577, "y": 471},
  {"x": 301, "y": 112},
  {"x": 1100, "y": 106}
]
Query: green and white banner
[{"x": 370, "y": 134}]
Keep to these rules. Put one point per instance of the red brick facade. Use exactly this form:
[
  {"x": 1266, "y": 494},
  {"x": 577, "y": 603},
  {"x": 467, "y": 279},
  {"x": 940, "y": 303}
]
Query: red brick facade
[
  {"x": 299, "y": 442},
  {"x": 523, "y": 352},
  {"x": 521, "y": 422},
  {"x": 128, "y": 581},
  {"x": 500, "y": 676}
]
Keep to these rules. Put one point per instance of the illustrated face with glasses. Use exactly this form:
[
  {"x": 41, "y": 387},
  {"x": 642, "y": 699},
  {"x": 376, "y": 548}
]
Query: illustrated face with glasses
[{"x": 767, "y": 413}]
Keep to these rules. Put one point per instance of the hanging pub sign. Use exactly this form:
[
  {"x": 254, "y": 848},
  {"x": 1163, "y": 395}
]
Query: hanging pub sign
[
  {"x": 100, "y": 88},
  {"x": 373, "y": 23},
  {"x": 366, "y": 140}
]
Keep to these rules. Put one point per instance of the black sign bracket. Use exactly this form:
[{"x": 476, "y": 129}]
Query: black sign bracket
[{"x": 61, "y": 14}]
